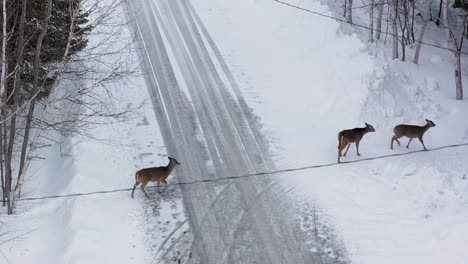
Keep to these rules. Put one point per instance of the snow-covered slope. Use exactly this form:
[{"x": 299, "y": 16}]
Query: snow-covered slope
[{"x": 308, "y": 79}]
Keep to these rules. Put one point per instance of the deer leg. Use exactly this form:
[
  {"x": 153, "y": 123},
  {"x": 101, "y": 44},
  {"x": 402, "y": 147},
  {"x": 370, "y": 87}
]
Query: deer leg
[
  {"x": 340, "y": 149},
  {"x": 422, "y": 142},
  {"x": 159, "y": 186},
  {"x": 134, "y": 187},
  {"x": 346, "y": 152},
  {"x": 357, "y": 148},
  {"x": 407, "y": 146},
  {"x": 394, "y": 138},
  {"x": 143, "y": 189},
  {"x": 341, "y": 146},
  {"x": 165, "y": 185}
]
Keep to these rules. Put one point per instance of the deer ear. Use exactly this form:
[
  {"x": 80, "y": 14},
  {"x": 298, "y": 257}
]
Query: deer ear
[
  {"x": 427, "y": 120},
  {"x": 367, "y": 124}
]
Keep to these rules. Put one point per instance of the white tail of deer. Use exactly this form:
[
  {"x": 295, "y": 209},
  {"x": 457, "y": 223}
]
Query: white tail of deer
[
  {"x": 154, "y": 174},
  {"x": 411, "y": 131}
]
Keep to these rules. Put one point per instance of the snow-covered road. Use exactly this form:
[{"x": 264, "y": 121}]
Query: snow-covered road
[{"x": 207, "y": 125}]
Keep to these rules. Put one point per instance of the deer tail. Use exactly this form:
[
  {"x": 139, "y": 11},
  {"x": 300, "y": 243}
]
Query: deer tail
[{"x": 340, "y": 136}]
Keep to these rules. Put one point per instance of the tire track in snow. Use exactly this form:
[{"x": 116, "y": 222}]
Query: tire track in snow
[
  {"x": 207, "y": 125},
  {"x": 154, "y": 58}
]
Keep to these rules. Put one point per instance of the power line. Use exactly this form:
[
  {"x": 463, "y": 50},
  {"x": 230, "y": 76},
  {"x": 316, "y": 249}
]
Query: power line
[
  {"x": 247, "y": 175},
  {"x": 361, "y": 26}
]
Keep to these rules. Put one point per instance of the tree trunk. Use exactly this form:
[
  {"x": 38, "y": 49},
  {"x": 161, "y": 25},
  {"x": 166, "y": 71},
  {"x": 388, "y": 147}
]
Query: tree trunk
[
  {"x": 430, "y": 12},
  {"x": 371, "y": 21},
  {"x": 412, "y": 20},
  {"x": 27, "y": 129},
  {"x": 4, "y": 40},
  {"x": 440, "y": 12},
  {"x": 350, "y": 11},
  {"x": 74, "y": 13},
  {"x": 378, "y": 30},
  {"x": 403, "y": 50},
  {"x": 2, "y": 172},
  {"x": 445, "y": 22},
  {"x": 456, "y": 48},
  {"x": 3, "y": 127},
  {"x": 2, "y": 95},
  {"x": 16, "y": 85},
  {"x": 345, "y": 8},
  {"x": 458, "y": 75},
  {"x": 403, "y": 21},
  {"x": 403, "y": 39},
  {"x": 394, "y": 28},
  {"x": 419, "y": 42}
]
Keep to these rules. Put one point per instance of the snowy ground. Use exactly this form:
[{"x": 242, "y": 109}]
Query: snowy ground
[{"x": 307, "y": 78}]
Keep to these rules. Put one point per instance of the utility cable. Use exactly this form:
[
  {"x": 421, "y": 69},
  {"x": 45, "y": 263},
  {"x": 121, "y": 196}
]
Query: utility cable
[{"x": 247, "y": 175}]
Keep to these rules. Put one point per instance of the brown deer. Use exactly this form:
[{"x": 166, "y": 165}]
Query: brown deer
[
  {"x": 348, "y": 136},
  {"x": 411, "y": 131},
  {"x": 154, "y": 174}
]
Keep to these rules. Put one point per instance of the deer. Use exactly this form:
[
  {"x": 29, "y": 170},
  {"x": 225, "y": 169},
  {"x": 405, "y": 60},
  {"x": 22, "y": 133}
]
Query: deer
[
  {"x": 154, "y": 174},
  {"x": 348, "y": 136},
  {"x": 411, "y": 131}
]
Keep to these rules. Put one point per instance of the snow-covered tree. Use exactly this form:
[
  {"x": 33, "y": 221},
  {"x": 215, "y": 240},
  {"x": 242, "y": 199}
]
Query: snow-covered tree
[{"x": 454, "y": 22}]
